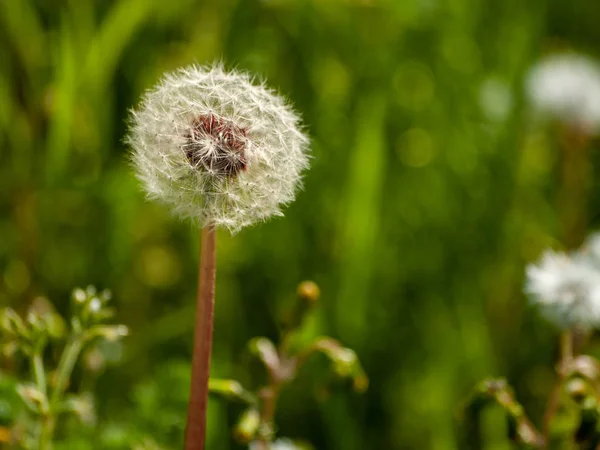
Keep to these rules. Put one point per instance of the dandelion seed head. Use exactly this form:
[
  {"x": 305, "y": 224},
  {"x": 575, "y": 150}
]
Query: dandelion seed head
[
  {"x": 566, "y": 87},
  {"x": 566, "y": 288},
  {"x": 217, "y": 148}
]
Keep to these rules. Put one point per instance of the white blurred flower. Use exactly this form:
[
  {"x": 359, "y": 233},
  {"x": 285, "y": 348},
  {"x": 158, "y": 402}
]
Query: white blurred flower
[
  {"x": 79, "y": 295},
  {"x": 217, "y": 148},
  {"x": 591, "y": 246},
  {"x": 95, "y": 305},
  {"x": 566, "y": 288},
  {"x": 567, "y": 87},
  {"x": 279, "y": 444}
]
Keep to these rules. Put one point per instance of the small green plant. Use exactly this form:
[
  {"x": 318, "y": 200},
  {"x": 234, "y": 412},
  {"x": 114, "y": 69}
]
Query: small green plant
[
  {"x": 282, "y": 362},
  {"x": 566, "y": 289},
  {"x": 46, "y": 392}
]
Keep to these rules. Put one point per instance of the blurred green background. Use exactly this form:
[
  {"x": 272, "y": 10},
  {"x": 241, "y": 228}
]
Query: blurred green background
[{"x": 429, "y": 191}]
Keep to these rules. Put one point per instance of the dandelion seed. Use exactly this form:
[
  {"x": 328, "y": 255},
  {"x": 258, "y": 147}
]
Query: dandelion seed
[
  {"x": 566, "y": 87},
  {"x": 217, "y": 148},
  {"x": 566, "y": 288}
]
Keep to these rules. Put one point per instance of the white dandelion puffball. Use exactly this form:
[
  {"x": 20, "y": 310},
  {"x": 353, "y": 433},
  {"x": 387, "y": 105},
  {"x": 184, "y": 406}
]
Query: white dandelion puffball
[
  {"x": 567, "y": 87},
  {"x": 217, "y": 148},
  {"x": 566, "y": 288}
]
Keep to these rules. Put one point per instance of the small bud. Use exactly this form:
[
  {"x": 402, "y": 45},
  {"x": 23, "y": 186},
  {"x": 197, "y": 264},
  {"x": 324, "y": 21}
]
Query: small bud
[
  {"x": 247, "y": 427},
  {"x": 90, "y": 290},
  {"x": 265, "y": 350},
  {"x": 12, "y": 323},
  {"x": 577, "y": 389},
  {"x": 79, "y": 295},
  {"x": 345, "y": 362},
  {"x": 231, "y": 389},
  {"x": 308, "y": 294},
  {"x": 83, "y": 407},
  {"x": 94, "y": 360},
  {"x": 32, "y": 397},
  {"x": 110, "y": 332},
  {"x": 360, "y": 383},
  {"x": 309, "y": 291}
]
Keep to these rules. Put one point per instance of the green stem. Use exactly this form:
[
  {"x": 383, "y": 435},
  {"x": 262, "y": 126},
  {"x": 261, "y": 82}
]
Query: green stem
[
  {"x": 63, "y": 373},
  {"x": 47, "y": 432},
  {"x": 65, "y": 367},
  {"x": 39, "y": 374},
  {"x": 47, "y": 421}
]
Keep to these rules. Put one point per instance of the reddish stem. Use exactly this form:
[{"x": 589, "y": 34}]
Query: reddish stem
[
  {"x": 195, "y": 432},
  {"x": 566, "y": 356}
]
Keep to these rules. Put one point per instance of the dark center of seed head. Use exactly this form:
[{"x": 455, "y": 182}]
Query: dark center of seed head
[{"x": 216, "y": 145}]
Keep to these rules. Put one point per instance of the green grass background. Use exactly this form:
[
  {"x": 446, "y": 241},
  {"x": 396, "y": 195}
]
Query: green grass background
[{"x": 430, "y": 189}]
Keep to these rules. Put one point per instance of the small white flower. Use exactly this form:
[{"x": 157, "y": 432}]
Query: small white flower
[
  {"x": 79, "y": 295},
  {"x": 217, "y": 148},
  {"x": 95, "y": 305},
  {"x": 567, "y": 87},
  {"x": 566, "y": 288}
]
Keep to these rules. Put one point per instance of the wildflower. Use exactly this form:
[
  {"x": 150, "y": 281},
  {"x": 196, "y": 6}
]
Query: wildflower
[
  {"x": 567, "y": 87},
  {"x": 217, "y": 148},
  {"x": 567, "y": 289}
]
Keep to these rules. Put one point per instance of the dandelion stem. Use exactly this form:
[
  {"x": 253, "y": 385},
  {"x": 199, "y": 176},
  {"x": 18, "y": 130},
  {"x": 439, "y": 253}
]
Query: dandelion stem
[
  {"x": 566, "y": 347},
  {"x": 195, "y": 433},
  {"x": 566, "y": 356},
  {"x": 574, "y": 187}
]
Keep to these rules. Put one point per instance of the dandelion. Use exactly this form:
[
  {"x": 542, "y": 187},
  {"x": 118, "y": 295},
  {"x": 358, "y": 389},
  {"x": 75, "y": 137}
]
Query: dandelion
[
  {"x": 566, "y": 288},
  {"x": 225, "y": 152},
  {"x": 217, "y": 148},
  {"x": 566, "y": 87}
]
